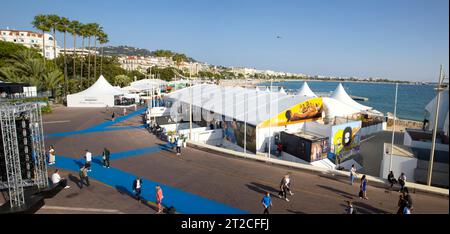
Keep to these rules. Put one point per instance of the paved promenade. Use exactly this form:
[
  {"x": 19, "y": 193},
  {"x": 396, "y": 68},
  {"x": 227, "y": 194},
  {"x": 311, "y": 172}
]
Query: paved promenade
[{"x": 196, "y": 182}]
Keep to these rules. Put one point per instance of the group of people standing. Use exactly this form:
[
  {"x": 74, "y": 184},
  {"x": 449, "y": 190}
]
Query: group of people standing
[
  {"x": 405, "y": 200},
  {"x": 137, "y": 189}
]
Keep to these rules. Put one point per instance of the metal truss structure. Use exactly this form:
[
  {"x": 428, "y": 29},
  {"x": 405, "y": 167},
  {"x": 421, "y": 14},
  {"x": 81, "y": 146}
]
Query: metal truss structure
[{"x": 9, "y": 114}]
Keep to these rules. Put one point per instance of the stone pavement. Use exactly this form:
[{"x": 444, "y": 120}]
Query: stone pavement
[{"x": 233, "y": 182}]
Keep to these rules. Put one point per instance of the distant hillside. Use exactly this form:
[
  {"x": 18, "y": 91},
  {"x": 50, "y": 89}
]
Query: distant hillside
[
  {"x": 125, "y": 51},
  {"x": 133, "y": 51}
]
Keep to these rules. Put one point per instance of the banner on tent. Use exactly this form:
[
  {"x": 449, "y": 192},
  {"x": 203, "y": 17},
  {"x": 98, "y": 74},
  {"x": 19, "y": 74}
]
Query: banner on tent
[{"x": 308, "y": 110}]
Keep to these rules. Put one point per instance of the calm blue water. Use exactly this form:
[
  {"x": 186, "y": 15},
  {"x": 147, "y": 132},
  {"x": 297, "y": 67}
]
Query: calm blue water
[{"x": 412, "y": 99}]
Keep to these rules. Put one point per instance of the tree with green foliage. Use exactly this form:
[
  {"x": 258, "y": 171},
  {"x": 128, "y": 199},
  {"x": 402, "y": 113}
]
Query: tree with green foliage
[
  {"x": 122, "y": 80},
  {"x": 41, "y": 22},
  {"x": 74, "y": 29},
  {"x": 53, "y": 21},
  {"x": 63, "y": 26}
]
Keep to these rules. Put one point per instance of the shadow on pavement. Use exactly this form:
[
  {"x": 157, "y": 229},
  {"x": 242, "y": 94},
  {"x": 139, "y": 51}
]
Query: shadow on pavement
[
  {"x": 295, "y": 211},
  {"x": 123, "y": 190},
  {"x": 166, "y": 147},
  {"x": 75, "y": 179},
  {"x": 263, "y": 189},
  {"x": 340, "y": 192},
  {"x": 360, "y": 206}
]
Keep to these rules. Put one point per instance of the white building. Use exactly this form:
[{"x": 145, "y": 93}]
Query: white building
[
  {"x": 78, "y": 51},
  {"x": 30, "y": 39}
]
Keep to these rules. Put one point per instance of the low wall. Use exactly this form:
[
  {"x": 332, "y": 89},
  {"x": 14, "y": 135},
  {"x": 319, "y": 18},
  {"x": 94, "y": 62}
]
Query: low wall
[
  {"x": 405, "y": 123},
  {"x": 333, "y": 173}
]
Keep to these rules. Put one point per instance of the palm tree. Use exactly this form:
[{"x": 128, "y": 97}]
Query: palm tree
[
  {"x": 103, "y": 39},
  {"x": 54, "y": 21},
  {"x": 91, "y": 29},
  {"x": 74, "y": 29},
  {"x": 96, "y": 33},
  {"x": 40, "y": 22},
  {"x": 83, "y": 33},
  {"x": 63, "y": 26}
]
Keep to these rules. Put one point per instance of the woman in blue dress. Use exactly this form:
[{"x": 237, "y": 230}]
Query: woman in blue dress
[{"x": 363, "y": 187}]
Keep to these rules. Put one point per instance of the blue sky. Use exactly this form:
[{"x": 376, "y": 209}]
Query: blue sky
[{"x": 394, "y": 39}]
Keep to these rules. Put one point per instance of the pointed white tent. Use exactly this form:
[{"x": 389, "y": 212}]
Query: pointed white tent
[
  {"x": 257, "y": 89},
  {"x": 306, "y": 91},
  {"x": 443, "y": 111},
  {"x": 282, "y": 91},
  {"x": 100, "y": 94},
  {"x": 341, "y": 95},
  {"x": 335, "y": 108}
]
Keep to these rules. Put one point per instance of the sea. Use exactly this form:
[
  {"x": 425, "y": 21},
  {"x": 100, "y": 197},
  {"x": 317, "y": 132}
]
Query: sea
[{"x": 411, "y": 100}]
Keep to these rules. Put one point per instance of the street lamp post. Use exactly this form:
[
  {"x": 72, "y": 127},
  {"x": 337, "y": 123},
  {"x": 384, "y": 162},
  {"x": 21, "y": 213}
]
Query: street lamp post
[
  {"x": 190, "y": 102},
  {"x": 245, "y": 116},
  {"x": 439, "y": 89}
]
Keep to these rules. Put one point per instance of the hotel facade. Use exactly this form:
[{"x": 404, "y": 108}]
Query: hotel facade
[{"x": 31, "y": 39}]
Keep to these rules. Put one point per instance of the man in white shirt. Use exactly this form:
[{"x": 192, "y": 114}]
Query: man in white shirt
[
  {"x": 57, "y": 180},
  {"x": 179, "y": 145},
  {"x": 88, "y": 160}
]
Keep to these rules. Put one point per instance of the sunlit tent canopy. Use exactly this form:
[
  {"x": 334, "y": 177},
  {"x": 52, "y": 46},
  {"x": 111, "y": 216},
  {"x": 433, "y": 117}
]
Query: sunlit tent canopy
[
  {"x": 282, "y": 91},
  {"x": 335, "y": 108},
  {"x": 100, "y": 94},
  {"x": 146, "y": 84},
  {"x": 236, "y": 103},
  {"x": 306, "y": 91},
  {"x": 341, "y": 95},
  {"x": 443, "y": 111}
]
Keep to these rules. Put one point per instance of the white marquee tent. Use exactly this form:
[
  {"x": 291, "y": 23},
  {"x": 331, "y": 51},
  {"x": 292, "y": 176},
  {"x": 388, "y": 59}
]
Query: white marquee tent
[
  {"x": 443, "y": 111},
  {"x": 341, "y": 95},
  {"x": 335, "y": 108},
  {"x": 306, "y": 91},
  {"x": 100, "y": 94}
]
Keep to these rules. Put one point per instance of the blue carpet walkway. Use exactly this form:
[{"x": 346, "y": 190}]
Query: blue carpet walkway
[{"x": 184, "y": 202}]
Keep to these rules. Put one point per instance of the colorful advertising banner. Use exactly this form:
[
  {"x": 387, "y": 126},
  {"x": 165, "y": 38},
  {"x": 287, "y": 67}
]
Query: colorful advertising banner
[
  {"x": 345, "y": 139},
  {"x": 308, "y": 110}
]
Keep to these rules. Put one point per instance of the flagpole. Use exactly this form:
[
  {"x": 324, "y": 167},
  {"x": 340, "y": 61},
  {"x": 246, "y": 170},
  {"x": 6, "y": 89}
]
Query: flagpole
[
  {"x": 245, "y": 116},
  {"x": 436, "y": 118},
  {"x": 393, "y": 127}
]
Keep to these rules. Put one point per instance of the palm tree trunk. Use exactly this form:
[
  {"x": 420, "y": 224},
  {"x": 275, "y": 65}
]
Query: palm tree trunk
[
  {"x": 65, "y": 67},
  {"x": 89, "y": 60},
  {"x": 95, "y": 57},
  {"x": 101, "y": 63},
  {"x": 82, "y": 63},
  {"x": 43, "y": 44},
  {"x": 54, "y": 45},
  {"x": 74, "y": 54}
]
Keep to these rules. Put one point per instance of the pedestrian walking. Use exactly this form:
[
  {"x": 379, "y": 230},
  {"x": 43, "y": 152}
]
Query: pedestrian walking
[
  {"x": 401, "y": 204},
  {"x": 391, "y": 179},
  {"x": 179, "y": 145},
  {"x": 350, "y": 209},
  {"x": 137, "y": 188},
  {"x": 159, "y": 197},
  {"x": 106, "y": 155},
  {"x": 113, "y": 116},
  {"x": 57, "y": 180},
  {"x": 288, "y": 184},
  {"x": 52, "y": 155},
  {"x": 352, "y": 174},
  {"x": 83, "y": 177},
  {"x": 267, "y": 203},
  {"x": 283, "y": 189},
  {"x": 124, "y": 111},
  {"x": 402, "y": 181},
  {"x": 408, "y": 199},
  {"x": 88, "y": 158},
  {"x": 363, "y": 188}
]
